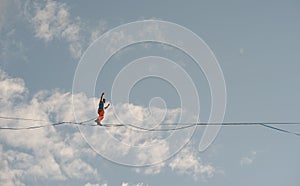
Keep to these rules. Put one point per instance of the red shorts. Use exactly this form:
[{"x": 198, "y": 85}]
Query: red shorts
[{"x": 101, "y": 114}]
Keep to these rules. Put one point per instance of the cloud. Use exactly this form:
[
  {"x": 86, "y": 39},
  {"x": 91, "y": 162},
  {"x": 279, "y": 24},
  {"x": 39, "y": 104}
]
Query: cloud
[
  {"x": 249, "y": 159},
  {"x": 11, "y": 88},
  {"x": 8, "y": 175},
  {"x": 129, "y": 145},
  {"x": 46, "y": 154},
  {"x": 138, "y": 184},
  {"x": 52, "y": 21},
  {"x": 90, "y": 184},
  {"x": 187, "y": 162},
  {"x": 123, "y": 184},
  {"x": 131, "y": 33},
  {"x": 98, "y": 31},
  {"x": 58, "y": 154}
]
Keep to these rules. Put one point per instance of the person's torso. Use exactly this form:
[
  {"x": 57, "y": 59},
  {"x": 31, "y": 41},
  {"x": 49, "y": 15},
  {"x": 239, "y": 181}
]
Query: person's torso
[{"x": 101, "y": 105}]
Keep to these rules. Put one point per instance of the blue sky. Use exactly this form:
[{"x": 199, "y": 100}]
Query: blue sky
[{"x": 257, "y": 47}]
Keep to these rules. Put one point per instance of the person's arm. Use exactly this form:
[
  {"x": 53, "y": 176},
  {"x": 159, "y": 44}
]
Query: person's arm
[
  {"x": 101, "y": 99},
  {"x": 107, "y": 106}
]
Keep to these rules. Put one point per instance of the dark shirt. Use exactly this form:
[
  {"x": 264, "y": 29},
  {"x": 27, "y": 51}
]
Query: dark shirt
[{"x": 101, "y": 105}]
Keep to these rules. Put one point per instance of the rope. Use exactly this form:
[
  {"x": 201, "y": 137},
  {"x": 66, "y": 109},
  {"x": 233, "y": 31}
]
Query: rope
[
  {"x": 39, "y": 126},
  {"x": 182, "y": 125}
]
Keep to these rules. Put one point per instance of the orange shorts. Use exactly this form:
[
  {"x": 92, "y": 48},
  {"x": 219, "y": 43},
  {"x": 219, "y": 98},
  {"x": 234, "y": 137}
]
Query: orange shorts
[{"x": 101, "y": 114}]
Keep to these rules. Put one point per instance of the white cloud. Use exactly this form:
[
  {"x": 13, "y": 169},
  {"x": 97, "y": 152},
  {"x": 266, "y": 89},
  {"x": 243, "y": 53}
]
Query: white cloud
[
  {"x": 187, "y": 162},
  {"x": 249, "y": 159},
  {"x": 9, "y": 176},
  {"x": 161, "y": 149},
  {"x": 131, "y": 146},
  {"x": 57, "y": 154},
  {"x": 124, "y": 36},
  {"x": 75, "y": 49},
  {"x": 96, "y": 184},
  {"x": 90, "y": 184},
  {"x": 52, "y": 21},
  {"x": 44, "y": 153},
  {"x": 11, "y": 88},
  {"x": 138, "y": 184},
  {"x": 98, "y": 31},
  {"x": 79, "y": 169}
]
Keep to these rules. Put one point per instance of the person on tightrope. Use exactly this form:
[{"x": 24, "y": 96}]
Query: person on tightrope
[{"x": 101, "y": 109}]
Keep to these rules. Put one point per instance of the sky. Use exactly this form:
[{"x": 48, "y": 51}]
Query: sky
[{"x": 236, "y": 58}]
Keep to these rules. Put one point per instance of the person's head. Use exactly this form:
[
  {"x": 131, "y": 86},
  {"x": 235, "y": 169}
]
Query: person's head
[{"x": 103, "y": 100}]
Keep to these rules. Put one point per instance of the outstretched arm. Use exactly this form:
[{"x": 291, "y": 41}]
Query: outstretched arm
[
  {"x": 107, "y": 106},
  {"x": 101, "y": 99}
]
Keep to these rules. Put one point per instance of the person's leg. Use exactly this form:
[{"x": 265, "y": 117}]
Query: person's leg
[{"x": 101, "y": 115}]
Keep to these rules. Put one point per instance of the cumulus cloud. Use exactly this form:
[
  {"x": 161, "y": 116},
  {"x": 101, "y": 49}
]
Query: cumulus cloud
[
  {"x": 133, "y": 146},
  {"x": 58, "y": 154},
  {"x": 44, "y": 153},
  {"x": 10, "y": 176},
  {"x": 187, "y": 162},
  {"x": 52, "y": 21}
]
